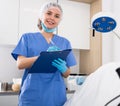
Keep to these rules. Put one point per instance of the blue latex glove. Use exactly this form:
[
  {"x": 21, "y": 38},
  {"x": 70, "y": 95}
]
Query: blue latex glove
[
  {"x": 80, "y": 80},
  {"x": 60, "y": 65},
  {"x": 53, "y": 48}
]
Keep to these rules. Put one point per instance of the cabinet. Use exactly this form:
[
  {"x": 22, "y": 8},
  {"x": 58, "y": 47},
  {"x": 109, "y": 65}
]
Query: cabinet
[
  {"x": 9, "y": 12},
  {"x": 75, "y": 23},
  {"x": 91, "y": 60},
  {"x": 85, "y": 1}
]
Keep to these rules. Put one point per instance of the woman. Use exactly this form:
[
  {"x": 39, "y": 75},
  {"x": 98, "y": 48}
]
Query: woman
[{"x": 43, "y": 89}]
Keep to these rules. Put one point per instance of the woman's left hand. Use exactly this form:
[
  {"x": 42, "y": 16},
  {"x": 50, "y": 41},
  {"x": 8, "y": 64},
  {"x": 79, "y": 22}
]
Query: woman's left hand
[{"x": 60, "y": 65}]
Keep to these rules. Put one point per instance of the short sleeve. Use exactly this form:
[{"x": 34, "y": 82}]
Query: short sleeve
[{"x": 21, "y": 48}]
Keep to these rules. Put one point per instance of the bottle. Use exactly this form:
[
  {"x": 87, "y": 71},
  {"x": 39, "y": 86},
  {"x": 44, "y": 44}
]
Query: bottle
[{"x": 4, "y": 86}]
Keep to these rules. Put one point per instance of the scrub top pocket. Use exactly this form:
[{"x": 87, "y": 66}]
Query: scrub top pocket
[{"x": 30, "y": 89}]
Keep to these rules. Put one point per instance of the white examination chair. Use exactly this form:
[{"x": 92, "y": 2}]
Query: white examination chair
[{"x": 101, "y": 88}]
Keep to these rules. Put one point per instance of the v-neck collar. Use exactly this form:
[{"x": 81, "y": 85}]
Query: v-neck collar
[{"x": 49, "y": 43}]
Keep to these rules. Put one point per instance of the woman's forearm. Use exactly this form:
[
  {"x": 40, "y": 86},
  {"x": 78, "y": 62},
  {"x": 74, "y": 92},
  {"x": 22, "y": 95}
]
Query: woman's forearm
[{"x": 25, "y": 62}]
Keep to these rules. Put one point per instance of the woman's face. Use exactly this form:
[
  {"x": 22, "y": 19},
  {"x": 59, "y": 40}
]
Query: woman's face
[{"x": 52, "y": 17}]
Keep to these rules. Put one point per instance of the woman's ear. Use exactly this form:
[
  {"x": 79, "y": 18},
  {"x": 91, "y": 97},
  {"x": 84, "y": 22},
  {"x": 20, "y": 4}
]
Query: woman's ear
[{"x": 39, "y": 24}]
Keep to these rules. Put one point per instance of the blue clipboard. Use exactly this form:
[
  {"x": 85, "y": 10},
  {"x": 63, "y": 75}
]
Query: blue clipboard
[{"x": 44, "y": 62}]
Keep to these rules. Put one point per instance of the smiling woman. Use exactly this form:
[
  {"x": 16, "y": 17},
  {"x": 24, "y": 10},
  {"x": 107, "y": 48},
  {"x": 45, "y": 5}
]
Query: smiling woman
[
  {"x": 44, "y": 89},
  {"x": 51, "y": 17}
]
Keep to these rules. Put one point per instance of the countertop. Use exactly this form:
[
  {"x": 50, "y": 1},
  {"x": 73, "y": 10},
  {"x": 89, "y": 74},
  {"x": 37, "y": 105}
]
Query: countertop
[{"x": 10, "y": 92}]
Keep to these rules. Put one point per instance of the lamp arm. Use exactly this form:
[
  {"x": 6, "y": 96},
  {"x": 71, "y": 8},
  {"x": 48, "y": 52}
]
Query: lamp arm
[{"x": 116, "y": 35}]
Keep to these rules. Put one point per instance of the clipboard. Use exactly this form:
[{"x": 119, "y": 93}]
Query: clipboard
[{"x": 43, "y": 64}]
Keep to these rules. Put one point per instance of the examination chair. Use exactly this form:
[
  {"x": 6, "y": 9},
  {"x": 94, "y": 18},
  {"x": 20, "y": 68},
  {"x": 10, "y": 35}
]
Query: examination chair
[{"x": 101, "y": 88}]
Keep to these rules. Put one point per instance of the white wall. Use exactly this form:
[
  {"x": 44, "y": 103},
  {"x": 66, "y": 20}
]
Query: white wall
[
  {"x": 110, "y": 43},
  {"x": 116, "y": 11},
  {"x": 8, "y": 68}
]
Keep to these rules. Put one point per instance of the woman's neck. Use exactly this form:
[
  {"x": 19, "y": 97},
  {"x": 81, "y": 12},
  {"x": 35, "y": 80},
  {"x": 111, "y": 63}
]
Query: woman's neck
[{"x": 47, "y": 36}]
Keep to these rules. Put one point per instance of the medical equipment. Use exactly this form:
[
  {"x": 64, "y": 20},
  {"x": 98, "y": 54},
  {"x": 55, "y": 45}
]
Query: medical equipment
[
  {"x": 104, "y": 22},
  {"x": 101, "y": 88},
  {"x": 116, "y": 97},
  {"x": 112, "y": 100},
  {"x": 80, "y": 80},
  {"x": 118, "y": 71},
  {"x": 74, "y": 81}
]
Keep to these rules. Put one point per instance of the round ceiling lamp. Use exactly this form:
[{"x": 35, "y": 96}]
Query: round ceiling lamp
[{"x": 103, "y": 22}]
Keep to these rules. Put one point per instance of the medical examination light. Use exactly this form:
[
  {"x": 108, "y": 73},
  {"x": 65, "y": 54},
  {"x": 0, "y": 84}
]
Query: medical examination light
[{"x": 104, "y": 22}]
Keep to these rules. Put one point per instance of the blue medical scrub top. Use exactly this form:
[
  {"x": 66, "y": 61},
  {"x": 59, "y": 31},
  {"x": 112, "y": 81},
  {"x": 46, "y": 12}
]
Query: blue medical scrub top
[{"x": 42, "y": 89}]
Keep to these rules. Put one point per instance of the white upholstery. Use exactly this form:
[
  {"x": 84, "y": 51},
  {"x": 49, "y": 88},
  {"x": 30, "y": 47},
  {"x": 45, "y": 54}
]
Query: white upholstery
[{"x": 99, "y": 88}]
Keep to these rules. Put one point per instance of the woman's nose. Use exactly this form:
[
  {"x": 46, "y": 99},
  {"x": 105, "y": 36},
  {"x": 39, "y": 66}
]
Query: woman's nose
[{"x": 52, "y": 17}]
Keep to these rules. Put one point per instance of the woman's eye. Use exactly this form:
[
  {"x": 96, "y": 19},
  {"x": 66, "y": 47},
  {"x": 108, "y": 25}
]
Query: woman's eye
[
  {"x": 57, "y": 16},
  {"x": 49, "y": 13}
]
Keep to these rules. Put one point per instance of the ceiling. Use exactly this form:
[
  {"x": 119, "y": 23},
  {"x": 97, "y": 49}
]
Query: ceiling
[{"x": 85, "y": 1}]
